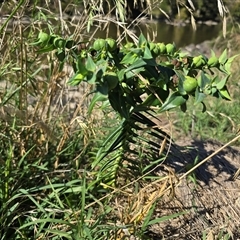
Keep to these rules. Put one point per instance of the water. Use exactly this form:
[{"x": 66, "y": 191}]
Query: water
[{"x": 180, "y": 35}]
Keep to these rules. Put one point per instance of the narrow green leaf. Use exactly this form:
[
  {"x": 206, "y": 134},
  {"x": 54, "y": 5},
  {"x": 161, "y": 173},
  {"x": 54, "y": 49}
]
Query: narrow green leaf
[
  {"x": 121, "y": 10},
  {"x": 148, "y": 217},
  {"x": 166, "y": 218},
  {"x": 46, "y": 220},
  {"x": 112, "y": 137},
  {"x": 134, "y": 72},
  {"x": 48, "y": 48},
  {"x": 32, "y": 199},
  {"x": 59, "y": 233}
]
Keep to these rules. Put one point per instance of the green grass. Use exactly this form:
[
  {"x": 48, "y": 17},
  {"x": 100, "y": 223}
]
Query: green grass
[{"x": 220, "y": 123}]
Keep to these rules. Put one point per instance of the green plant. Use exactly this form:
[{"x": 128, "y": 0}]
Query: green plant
[{"x": 144, "y": 80}]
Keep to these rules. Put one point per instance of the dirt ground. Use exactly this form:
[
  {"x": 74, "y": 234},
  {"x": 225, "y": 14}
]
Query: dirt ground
[{"x": 212, "y": 203}]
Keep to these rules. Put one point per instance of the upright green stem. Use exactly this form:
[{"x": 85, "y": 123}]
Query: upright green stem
[{"x": 11, "y": 15}]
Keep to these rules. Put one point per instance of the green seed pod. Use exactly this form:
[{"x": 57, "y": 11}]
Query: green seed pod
[
  {"x": 213, "y": 62},
  {"x": 190, "y": 84},
  {"x": 59, "y": 42},
  {"x": 99, "y": 44},
  {"x": 152, "y": 45},
  {"x": 170, "y": 48},
  {"x": 83, "y": 53},
  {"x": 60, "y": 55},
  {"x": 43, "y": 38},
  {"x": 198, "y": 61},
  {"x": 112, "y": 79},
  {"x": 162, "y": 48},
  {"x": 69, "y": 44},
  {"x": 154, "y": 49},
  {"x": 111, "y": 44}
]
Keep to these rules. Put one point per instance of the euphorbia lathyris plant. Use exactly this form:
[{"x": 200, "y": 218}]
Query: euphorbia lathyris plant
[{"x": 138, "y": 80}]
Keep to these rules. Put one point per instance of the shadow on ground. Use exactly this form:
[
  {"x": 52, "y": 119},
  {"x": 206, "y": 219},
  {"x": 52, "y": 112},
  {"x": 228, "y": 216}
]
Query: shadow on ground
[{"x": 212, "y": 202}]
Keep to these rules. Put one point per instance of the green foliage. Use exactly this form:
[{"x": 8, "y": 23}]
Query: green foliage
[
  {"x": 142, "y": 68},
  {"x": 137, "y": 79}
]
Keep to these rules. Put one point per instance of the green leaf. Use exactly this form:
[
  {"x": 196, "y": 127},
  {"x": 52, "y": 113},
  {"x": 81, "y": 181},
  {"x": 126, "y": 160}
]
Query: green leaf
[
  {"x": 46, "y": 220},
  {"x": 147, "y": 53},
  {"x": 221, "y": 83},
  {"x": 94, "y": 77},
  {"x": 142, "y": 41},
  {"x": 91, "y": 78},
  {"x": 117, "y": 101},
  {"x": 213, "y": 53},
  {"x": 214, "y": 91},
  {"x": 121, "y": 75},
  {"x": 110, "y": 143},
  {"x": 148, "y": 217},
  {"x": 224, "y": 93},
  {"x": 223, "y": 57},
  {"x": 151, "y": 100},
  {"x": 60, "y": 54},
  {"x": 121, "y": 10},
  {"x": 181, "y": 78},
  {"x": 48, "y": 48},
  {"x": 229, "y": 63},
  {"x": 90, "y": 65},
  {"x": 76, "y": 79},
  {"x": 130, "y": 58},
  {"x": 102, "y": 87},
  {"x": 222, "y": 69},
  {"x": 175, "y": 100},
  {"x": 165, "y": 218},
  {"x": 132, "y": 73},
  {"x": 26, "y": 193},
  {"x": 137, "y": 64},
  {"x": 199, "y": 96},
  {"x": 203, "y": 80},
  {"x": 81, "y": 67},
  {"x": 96, "y": 98}
]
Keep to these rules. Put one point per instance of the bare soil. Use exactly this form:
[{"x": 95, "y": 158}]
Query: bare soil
[{"x": 212, "y": 204}]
